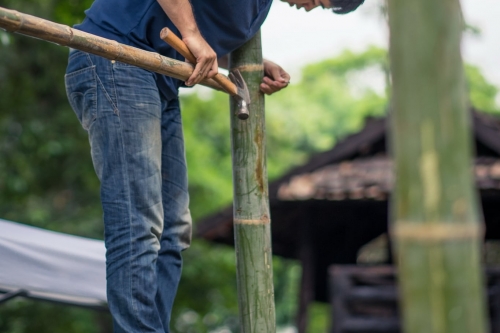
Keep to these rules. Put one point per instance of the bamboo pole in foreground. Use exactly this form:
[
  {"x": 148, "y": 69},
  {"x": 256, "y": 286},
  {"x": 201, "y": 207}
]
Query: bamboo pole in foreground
[
  {"x": 251, "y": 204},
  {"x": 33, "y": 26},
  {"x": 437, "y": 227}
]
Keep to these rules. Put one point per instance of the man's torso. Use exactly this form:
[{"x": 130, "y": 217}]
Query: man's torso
[{"x": 225, "y": 24}]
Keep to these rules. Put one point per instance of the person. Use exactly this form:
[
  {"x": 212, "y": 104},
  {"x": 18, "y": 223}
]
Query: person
[{"x": 133, "y": 121}]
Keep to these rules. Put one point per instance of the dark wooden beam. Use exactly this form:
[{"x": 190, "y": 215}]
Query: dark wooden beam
[{"x": 307, "y": 287}]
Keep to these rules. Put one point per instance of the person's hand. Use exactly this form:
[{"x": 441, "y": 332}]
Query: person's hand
[
  {"x": 206, "y": 59},
  {"x": 275, "y": 78}
]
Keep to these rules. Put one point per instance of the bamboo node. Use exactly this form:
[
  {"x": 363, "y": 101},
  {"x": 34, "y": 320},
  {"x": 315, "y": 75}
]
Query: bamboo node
[
  {"x": 19, "y": 20},
  {"x": 71, "y": 34},
  {"x": 120, "y": 50},
  {"x": 262, "y": 221},
  {"x": 433, "y": 232},
  {"x": 250, "y": 68}
]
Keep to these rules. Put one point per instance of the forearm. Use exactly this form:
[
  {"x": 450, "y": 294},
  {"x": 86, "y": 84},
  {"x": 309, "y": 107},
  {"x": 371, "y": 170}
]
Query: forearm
[{"x": 180, "y": 13}]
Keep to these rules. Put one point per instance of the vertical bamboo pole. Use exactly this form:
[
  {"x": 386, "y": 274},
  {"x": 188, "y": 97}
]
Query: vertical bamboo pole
[
  {"x": 436, "y": 225},
  {"x": 251, "y": 203}
]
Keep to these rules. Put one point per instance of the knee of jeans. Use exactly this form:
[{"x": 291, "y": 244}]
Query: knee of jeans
[
  {"x": 186, "y": 230},
  {"x": 177, "y": 232}
]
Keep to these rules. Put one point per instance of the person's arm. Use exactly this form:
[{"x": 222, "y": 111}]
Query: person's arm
[
  {"x": 275, "y": 78},
  {"x": 181, "y": 15}
]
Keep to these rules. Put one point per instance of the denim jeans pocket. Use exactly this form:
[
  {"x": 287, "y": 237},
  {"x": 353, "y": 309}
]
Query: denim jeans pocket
[
  {"x": 81, "y": 88},
  {"x": 137, "y": 91}
]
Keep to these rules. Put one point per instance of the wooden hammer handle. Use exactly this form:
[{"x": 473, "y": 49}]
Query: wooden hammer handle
[{"x": 171, "y": 39}]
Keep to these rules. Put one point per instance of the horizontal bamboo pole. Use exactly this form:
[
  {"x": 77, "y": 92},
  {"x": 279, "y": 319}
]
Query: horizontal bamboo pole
[{"x": 16, "y": 22}]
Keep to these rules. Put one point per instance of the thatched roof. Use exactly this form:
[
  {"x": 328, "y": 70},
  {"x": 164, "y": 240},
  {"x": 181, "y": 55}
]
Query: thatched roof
[{"x": 367, "y": 179}]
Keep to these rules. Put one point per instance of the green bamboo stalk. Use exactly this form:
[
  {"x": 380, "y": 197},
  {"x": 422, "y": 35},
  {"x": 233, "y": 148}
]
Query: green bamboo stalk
[
  {"x": 436, "y": 223},
  {"x": 14, "y": 21},
  {"x": 251, "y": 204}
]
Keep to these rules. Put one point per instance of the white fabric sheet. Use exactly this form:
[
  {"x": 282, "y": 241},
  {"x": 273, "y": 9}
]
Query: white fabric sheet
[{"x": 51, "y": 265}]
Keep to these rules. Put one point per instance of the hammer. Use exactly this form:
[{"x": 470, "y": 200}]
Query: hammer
[{"x": 234, "y": 85}]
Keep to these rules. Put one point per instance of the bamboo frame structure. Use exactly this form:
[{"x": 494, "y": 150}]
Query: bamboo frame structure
[
  {"x": 16, "y": 22},
  {"x": 251, "y": 204},
  {"x": 436, "y": 222}
]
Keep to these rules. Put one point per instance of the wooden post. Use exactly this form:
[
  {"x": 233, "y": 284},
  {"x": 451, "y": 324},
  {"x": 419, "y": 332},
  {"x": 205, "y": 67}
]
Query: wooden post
[
  {"x": 308, "y": 264},
  {"x": 251, "y": 204},
  {"x": 436, "y": 224}
]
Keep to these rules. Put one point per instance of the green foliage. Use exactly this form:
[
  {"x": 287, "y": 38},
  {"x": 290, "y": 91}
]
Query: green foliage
[
  {"x": 472, "y": 30},
  {"x": 208, "y": 151},
  {"x": 21, "y": 316},
  {"x": 331, "y": 101},
  {"x": 206, "y": 299},
  {"x": 347, "y": 62},
  {"x": 320, "y": 318},
  {"x": 287, "y": 274},
  {"x": 49, "y": 179},
  {"x": 482, "y": 93},
  {"x": 41, "y": 142}
]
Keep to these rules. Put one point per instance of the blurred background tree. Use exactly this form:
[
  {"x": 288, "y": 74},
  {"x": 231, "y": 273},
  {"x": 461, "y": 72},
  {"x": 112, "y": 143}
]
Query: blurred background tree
[{"x": 48, "y": 179}]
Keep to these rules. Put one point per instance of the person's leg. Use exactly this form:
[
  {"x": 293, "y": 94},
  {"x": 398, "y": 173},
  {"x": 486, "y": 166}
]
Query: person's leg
[
  {"x": 119, "y": 106},
  {"x": 176, "y": 235}
]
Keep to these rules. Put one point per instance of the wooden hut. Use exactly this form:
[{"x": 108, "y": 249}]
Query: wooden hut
[{"x": 324, "y": 211}]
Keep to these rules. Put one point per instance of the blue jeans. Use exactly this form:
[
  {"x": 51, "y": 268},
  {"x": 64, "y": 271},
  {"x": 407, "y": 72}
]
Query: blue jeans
[{"x": 137, "y": 148}]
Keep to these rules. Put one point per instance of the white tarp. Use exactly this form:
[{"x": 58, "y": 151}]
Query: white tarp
[{"x": 51, "y": 265}]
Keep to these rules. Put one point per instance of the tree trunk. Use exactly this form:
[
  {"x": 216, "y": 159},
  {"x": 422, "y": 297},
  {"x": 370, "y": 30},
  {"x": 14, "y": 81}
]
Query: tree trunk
[
  {"x": 251, "y": 203},
  {"x": 436, "y": 224}
]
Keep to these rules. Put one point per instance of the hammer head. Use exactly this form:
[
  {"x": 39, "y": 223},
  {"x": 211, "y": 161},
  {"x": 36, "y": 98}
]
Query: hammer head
[{"x": 243, "y": 96}]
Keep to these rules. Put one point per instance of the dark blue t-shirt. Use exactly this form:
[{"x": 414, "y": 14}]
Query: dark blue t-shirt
[{"x": 225, "y": 25}]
